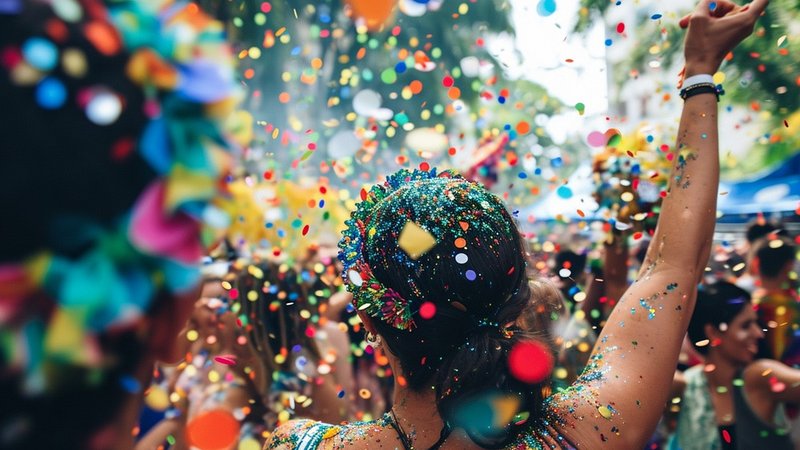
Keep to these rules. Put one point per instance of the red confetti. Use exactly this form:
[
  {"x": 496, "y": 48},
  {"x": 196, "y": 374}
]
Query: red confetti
[
  {"x": 122, "y": 148},
  {"x": 427, "y": 310},
  {"x": 305, "y": 230},
  {"x": 620, "y": 28},
  {"x": 228, "y": 360},
  {"x": 726, "y": 436},
  {"x": 447, "y": 81},
  {"x": 530, "y": 362}
]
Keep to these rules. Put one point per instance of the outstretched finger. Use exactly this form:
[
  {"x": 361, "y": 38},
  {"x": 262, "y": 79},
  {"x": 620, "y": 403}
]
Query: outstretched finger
[
  {"x": 757, "y": 7},
  {"x": 741, "y": 18},
  {"x": 684, "y": 22}
]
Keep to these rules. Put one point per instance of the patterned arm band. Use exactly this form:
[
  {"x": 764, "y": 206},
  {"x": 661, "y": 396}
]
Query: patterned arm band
[{"x": 701, "y": 88}]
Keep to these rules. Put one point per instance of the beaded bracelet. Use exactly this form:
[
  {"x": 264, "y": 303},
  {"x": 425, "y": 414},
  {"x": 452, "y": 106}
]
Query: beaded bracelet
[{"x": 701, "y": 88}]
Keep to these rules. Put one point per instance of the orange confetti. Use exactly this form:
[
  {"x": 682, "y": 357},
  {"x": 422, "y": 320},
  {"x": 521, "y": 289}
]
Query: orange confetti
[
  {"x": 269, "y": 39},
  {"x": 460, "y": 242},
  {"x": 454, "y": 93},
  {"x": 57, "y": 30},
  {"x": 415, "y": 86},
  {"x": 104, "y": 38},
  {"x": 523, "y": 127}
]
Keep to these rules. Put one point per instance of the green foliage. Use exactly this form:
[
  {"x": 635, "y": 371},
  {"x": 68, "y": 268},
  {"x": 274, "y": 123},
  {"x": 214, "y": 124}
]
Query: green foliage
[{"x": 762, "y": 73}]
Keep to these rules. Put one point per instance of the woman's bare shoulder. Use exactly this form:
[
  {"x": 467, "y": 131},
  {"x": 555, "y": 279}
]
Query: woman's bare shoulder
[
  {"x": 311, "y": 435},
  {"x": 288, "y": 436}
]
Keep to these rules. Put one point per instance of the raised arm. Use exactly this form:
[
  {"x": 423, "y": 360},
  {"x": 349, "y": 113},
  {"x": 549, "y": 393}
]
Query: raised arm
[
  {"x": 772, "y": 382},
  {"x": 619, "y": 399}
]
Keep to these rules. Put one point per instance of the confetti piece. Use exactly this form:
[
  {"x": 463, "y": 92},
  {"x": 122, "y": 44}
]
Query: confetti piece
[
  {"x": 530, "y": 362},
  {"x": 546, "y": 7},
  {"x": 228, "y": 360},
  {"x": 415, "y": 241},
  {"x": 213, "y": 429},
  {"x": 564, "y": 192},
  {"x": 427, "y": 310}
]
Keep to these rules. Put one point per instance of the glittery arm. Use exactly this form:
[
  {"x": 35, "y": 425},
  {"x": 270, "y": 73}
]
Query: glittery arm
[
  {"x": 287, "y": 436},
  {"x": 636, "y": 354}
]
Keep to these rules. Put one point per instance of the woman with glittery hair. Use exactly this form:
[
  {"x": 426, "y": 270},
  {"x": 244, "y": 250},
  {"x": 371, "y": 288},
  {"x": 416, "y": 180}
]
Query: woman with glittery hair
[{"x": 438, "y": 275}]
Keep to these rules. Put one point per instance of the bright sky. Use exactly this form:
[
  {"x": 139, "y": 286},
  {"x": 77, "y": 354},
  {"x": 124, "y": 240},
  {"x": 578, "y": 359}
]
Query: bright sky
[{"x": 545, "y": 45}]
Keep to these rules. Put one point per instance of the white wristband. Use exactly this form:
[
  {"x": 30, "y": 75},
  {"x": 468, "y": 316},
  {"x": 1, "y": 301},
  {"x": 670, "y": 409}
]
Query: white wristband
[{"x": 698, "y": 79}]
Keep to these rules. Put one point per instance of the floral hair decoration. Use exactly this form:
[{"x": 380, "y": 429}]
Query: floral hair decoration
[{"x": 369, "y": 294}]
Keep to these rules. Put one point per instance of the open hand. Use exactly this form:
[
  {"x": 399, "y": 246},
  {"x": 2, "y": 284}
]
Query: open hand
[{"x": 714, "y": 29}]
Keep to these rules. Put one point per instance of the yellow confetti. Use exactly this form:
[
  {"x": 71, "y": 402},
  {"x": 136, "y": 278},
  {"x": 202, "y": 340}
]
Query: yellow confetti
[
  {"x": 415, "y": 241},
  {"x": 505, "y": 408}
]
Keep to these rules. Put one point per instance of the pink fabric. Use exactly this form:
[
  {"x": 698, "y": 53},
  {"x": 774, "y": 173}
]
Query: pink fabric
[{"x": 175, "y": 236}]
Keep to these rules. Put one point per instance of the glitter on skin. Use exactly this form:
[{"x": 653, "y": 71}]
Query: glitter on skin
[{"x": 684, "y": 157}]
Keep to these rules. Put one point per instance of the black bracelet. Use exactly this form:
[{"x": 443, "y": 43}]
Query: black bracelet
[{"x": 697, "y": 89}]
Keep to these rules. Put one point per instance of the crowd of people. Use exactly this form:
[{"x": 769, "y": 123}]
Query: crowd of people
[{"x": 434, "y": 323}]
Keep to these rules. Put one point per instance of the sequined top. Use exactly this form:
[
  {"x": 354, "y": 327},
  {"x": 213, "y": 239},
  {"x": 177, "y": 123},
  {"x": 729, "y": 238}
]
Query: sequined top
[{"x": 311, "y": 435}]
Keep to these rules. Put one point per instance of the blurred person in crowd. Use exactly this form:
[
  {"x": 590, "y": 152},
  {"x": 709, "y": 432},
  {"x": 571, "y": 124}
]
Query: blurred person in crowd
[
  {"x": 773, "y": 259},
  {"x": 756, "y": 230},
  {"x": 112, "y": 156},
  {"x": 740, "y": 398},
  {"x": 275, "y": 304}
]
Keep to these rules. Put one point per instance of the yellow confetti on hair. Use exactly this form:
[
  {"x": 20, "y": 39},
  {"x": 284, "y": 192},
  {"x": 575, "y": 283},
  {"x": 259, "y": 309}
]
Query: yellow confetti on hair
[{"x": 415, "y": 241}]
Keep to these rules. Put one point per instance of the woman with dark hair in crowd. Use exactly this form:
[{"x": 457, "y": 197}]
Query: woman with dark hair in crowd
[
  {"x": 438, "y": 275},
  {"x": 274, "y": 303},
  {"x": 112, "y": 157},
  {"x": 731, "y": 393}
]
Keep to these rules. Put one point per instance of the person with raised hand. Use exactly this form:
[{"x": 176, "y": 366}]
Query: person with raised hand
[{"x": 438, "y": 275}]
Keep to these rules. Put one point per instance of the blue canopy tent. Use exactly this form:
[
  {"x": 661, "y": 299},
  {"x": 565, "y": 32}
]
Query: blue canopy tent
[{"x": 775, "y": 193}]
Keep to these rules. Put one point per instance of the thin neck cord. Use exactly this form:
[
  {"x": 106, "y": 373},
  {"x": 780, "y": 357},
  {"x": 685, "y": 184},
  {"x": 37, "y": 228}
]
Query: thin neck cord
[{"x": 443, "y": 435}]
